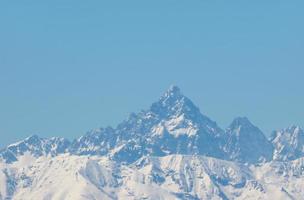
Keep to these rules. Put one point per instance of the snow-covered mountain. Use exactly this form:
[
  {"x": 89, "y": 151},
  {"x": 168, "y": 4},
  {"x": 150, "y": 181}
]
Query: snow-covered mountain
[
  {"x": 247, "y": 143},
  {"x": 168, "y": 151},
  {"x": 35, "y": 146},
  {"x": 288, "y": 143},
  {"x": 72, "y": 177},
  {"x": 172, "y": 125}
]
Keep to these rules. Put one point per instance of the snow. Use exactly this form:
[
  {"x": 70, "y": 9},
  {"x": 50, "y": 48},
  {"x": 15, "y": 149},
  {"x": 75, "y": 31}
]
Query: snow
[
  {"x": 159, "y": 153},
  {"x": 3, "y": 180},
  {"x": 171, "y": 177},
  {"x": 289, "y": 143}
]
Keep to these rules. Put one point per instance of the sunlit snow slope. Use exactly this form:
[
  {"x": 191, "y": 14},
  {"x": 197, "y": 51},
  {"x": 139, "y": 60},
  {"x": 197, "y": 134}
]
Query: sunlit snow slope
[{"x": 171, "y": 177}]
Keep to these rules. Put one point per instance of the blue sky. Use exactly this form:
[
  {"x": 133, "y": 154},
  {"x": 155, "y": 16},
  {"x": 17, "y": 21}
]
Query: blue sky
[{"x": 70, "y": 66}]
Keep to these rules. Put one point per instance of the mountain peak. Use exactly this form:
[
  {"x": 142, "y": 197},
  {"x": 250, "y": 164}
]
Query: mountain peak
[
  {"x": 293, "y": 129},
  {"x": 247, "y": 143},
  {"x": 174, "y": 103},
  {"x": 32, "y": 138},
  {"x": 174, "y": 89},
  {"x": 240, "y": 121},
  {"x": 173, "y": 92},
  {"x": 289, "y": 143}
]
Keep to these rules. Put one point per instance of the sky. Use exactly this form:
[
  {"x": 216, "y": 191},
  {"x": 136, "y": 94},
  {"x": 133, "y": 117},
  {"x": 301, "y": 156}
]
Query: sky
[{"x": 69, "y": 66}]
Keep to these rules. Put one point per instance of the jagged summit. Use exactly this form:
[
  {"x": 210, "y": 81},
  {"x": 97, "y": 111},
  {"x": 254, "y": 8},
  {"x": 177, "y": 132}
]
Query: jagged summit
[
  {"x": 173, "y": 92},
  {"x": 172, "y": 125},
  {"x": 240, "y": 121},
  {"x": 242, "y": 125},
  {"x": 171, "y": 96},
  {"x": 174, "y": 103},
  {"x": 291, "y": 131},
  {"x": 294, "y": 129},
  {"x": 35, "y": 146},
  {"x": 288, "y": 143},
  {"x": 30, "y": 139},
  {"x": 246, "y": 142}
]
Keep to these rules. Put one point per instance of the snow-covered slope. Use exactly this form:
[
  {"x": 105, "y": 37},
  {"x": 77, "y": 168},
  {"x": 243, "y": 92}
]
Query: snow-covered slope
[
  {"x": 288, "y": 143},
  {"x": 71, "y": 177}
]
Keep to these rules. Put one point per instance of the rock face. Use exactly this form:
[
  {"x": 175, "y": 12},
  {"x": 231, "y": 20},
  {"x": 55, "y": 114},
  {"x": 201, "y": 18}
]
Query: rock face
[
  {"x": 288, "y": 143},
  {"x": 168, "y": 151},
  {"x": 172, "y": 125},
  {"x": 36, "y": 147},
  {"x": 247, "y": 143}
]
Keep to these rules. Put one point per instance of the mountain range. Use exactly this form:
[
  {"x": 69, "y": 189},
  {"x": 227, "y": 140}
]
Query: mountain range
[{"x": 168, "y": 151}]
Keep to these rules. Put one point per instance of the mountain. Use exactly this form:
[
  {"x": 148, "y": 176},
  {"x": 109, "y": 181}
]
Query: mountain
[
  {"x": 168, "y": 151},
  {"x": 176, "y": 177},
  {"x": 95, "y": 142},
  {"x": 172, "y": 125},
  {"x": 288, "y": 143},
  {"x": 247, "y": 143},
  {"x": 35, "y": 146}
]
